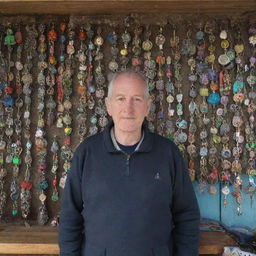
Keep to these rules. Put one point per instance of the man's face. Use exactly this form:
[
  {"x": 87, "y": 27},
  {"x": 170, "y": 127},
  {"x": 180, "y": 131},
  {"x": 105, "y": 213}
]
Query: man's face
[{"x": 128, "y": 104}]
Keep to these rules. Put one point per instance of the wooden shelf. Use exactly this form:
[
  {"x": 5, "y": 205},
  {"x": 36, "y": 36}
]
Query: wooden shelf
[
  {"x": 96, "y": 7},
  {"x": 44, "y": 240}
]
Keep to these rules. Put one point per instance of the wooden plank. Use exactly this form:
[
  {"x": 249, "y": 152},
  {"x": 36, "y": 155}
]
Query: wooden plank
[
  {"x": 101, "y": 7},
  {"x": 44, "y": 240},
  {"x": 214, "y": 242}
]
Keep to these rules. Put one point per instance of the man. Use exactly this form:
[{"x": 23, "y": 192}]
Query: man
[{"x": 128, "y": 192}]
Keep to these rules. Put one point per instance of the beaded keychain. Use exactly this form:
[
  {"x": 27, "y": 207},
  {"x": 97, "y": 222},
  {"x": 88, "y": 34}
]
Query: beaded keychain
[
  {"x": 40, "y": 140},
  {"x": 30, "y": 52}
]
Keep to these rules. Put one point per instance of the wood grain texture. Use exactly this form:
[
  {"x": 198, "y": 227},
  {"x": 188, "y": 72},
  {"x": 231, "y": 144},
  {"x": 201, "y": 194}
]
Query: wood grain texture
[
  {"x": 44, "y": 240},
  {"x": 92, "y": 7}
]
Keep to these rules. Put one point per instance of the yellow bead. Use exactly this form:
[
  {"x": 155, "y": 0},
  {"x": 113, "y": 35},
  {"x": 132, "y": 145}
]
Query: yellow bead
[
  {"x": 124, "y": 52},
  {"x": 68, "y": 130},
  {"x": 204, "y": 92},
  {"x": 224, "y": 44},
  {"x": 239, "y": 48}
]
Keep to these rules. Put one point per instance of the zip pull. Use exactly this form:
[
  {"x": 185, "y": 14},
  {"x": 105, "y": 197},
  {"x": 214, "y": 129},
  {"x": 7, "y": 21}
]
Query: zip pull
[{"x": 127, "y": 172}]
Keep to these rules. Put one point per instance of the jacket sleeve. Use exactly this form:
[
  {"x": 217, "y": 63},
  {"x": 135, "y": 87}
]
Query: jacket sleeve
[
  {"x": 71, "y": 220},
  {"x": 185, "y": 210}
]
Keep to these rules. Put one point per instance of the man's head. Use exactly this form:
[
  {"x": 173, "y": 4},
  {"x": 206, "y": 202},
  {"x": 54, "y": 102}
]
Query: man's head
[{"x": 128, "y": 101}]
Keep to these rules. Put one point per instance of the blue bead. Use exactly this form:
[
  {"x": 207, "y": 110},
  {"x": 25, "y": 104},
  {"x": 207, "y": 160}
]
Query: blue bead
[
  {"x": 200, "y": 35},
  {"x": 53, "y": 69},
  {"x": 8, "y": 102},
  {"x": 237, "y": 86},
  {"x": 111, "y": 38},
  {"x": 61, "y": 58},
  {"x": 2, "y": 86},
  {"x": 91, "y": 89},
  {"x": 91, "y": 46},
  {"x": 214, "y": 98},
  {"x": 14, "y": 212},
  {"x": 62, "y": 39},
  {"x": 212, "y": 74}
]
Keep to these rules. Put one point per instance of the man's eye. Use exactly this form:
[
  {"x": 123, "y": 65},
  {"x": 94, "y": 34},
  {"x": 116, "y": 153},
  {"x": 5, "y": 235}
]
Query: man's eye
[
  {"x": 138, "y": 99},
  {"x": 120, "y": 99}
]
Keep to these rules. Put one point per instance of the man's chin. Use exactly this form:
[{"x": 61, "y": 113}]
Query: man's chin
[{"x": 127, "y": 127}]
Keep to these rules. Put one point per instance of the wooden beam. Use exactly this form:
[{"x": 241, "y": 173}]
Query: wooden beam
[{"x": 94, "y": 7}]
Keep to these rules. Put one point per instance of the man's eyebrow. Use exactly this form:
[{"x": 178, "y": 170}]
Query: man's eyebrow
[{"x": 136, "y": 95}]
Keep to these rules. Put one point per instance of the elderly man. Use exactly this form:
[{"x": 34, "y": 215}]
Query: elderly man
[{"x": 128, "y": 192}]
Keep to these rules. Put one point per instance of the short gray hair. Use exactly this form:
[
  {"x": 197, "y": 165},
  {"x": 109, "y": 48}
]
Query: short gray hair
[{"x": 129, "y": 73}]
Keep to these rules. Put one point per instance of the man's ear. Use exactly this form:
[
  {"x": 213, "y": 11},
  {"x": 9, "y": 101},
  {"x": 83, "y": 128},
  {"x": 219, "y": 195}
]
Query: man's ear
[
  {"x": 107, "y": 103},
  {"x": 149, "y": 104}
]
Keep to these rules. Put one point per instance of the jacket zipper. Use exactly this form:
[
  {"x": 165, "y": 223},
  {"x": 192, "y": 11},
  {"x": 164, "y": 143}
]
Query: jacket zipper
[{"x": 127, "y": 173}]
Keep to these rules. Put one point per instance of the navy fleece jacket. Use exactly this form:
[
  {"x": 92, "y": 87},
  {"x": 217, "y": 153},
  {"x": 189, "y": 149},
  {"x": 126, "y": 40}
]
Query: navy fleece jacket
[{"x": 115, "y": 204}]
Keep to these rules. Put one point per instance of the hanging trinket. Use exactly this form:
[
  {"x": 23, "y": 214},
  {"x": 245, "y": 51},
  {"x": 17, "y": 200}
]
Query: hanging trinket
[
  {"x": 124, "y": 52},
  {"x": 8, "y": 101},
  {"x": 190, "y": 50},
  {"x": 93, "y": 129},
  {"x": 26, "y": 184},
  {"x": 3, "y": 170},
  {"x": 59, "y": 79},
  {"x": 66, "y": 150},
  {"x": 40, "y": 141},
  {"x": 160, "y": 61},
  {"x": 169, "y": 88},
  {"x": 17, "y": 146},
  {"x": 82, "y": 89},
  {"x": 113, "y": 65},
  {"x": 150, "y": 73},
  {"x": 50, "y": 77},
  {"x": 203, "y": 120},
  {"x": 136, "y": 49},
  {"x": 180, "y": 137},
  {"x": 55, "y": 162},
  {"x": 100, "y": 113}
]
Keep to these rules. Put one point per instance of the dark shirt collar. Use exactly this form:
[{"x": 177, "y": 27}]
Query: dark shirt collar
[{"x": 145, "y": 144}]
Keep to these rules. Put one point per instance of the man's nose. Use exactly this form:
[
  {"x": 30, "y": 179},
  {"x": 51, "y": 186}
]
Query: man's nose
[{"x": 129, "y": 105}]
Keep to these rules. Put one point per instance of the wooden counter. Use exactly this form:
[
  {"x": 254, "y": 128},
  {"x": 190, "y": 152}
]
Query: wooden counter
[{"x": 43, "y": 240}]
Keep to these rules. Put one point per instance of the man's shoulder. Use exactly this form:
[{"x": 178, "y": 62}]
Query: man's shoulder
[
  {"x": 91, "y": 141},
  {"x": 163, "y": 141}
]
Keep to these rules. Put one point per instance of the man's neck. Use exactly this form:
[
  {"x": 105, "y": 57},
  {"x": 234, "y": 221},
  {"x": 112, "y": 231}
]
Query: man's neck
[{"x": 127, "y": 138}]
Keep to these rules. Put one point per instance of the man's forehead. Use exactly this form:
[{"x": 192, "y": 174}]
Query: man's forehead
[{"x": 131, "y": 83}]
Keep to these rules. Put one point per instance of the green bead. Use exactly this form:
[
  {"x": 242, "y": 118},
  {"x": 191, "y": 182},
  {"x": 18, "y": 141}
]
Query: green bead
[
  {"x": 170, "y": 137},
  {"x": 247, "y": 145},
  {"x": 16, "y": 160},
  {"x": 14, "y": 212},
  {"x": 55, "y": 198},
  {"x": 253, "y": 145}
]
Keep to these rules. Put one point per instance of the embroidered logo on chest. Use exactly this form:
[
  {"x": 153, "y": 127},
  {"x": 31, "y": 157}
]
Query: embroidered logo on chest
[{"x": 157, "y": 176}]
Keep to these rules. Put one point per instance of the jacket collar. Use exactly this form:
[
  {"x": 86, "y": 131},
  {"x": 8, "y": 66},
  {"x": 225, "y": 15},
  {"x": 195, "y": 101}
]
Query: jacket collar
[{"x": 145, "y": 145}]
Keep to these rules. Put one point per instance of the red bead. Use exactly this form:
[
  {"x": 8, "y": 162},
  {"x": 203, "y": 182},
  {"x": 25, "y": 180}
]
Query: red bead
[
  {"x": 62, "y": 27},
  {"x": 18, "y": 37},
  {"x": 26, "y": 184},
  {"x": 18, "y": 88},
  {"x": 9, "y": 90},
  {"x": 52, "y": 35},
  {"x": 67, "y": 141},
  {"x": 82, "y": 35},
  {"x": 54, "y": 182},
  {"x": 169, "y": 74},
  {"x": 42, "y": 167}
]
